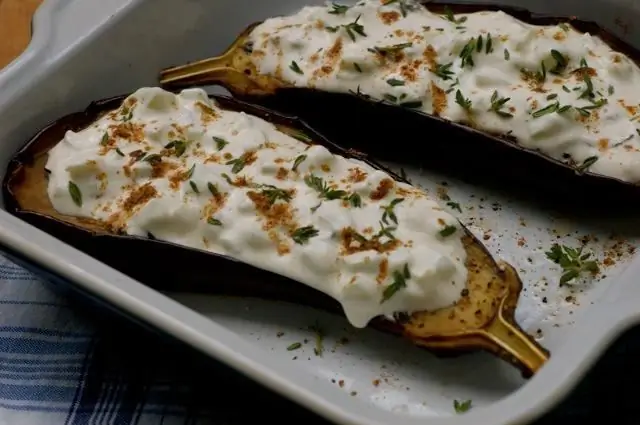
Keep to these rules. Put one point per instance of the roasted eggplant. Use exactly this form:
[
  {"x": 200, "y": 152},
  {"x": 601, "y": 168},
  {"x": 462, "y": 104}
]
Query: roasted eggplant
[
  {"x": 387, "y": 127},
  {"x": 483, "y": 318}
]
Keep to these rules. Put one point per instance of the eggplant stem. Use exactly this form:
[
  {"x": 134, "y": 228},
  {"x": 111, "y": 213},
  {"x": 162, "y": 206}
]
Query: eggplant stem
[{"x": 526, "y": 353}]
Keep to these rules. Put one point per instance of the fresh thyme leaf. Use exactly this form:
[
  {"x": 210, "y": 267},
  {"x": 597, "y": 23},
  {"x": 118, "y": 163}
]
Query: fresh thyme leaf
[
  {"x": 385, "y": 231},
  {"x": 357, "y": 67},
  {"x": 479, "y": 43},
  {"x": 399, "y": 281},
  {"x": 462, "y": 101},
  {"x": 466, "y": 55},
  {"x": 586, "y": 164},
  {"x": 294, "y": 346},
  {"x": 213, "y": 189},
  {"x": 355, "y": 200},
  {"x": 611, "y": 90},
  {"x": 354, "y": 28},
  {"x": 552, "y": 96},
  {"x": 153, "y": 159},
  {"x": 178, "y": 146},
  {"x": 572, "y": 261},
  {"x": 561, "y": 62},
  {"x": 105, "y": 139},
  {"x": 404, "y": 9},
  {"x": 497, "y": 103},
  {"x": 454, "y": 206},
  {"x": 220, "y": 143},
  {"x": 302, "y": 234},
  {"x": 585, "y": 110},
  {"x": 273, "y": 193},
  {"x": 549, "y": 109},
  {"x": 449, "y": 16},
  {"x": 325, "y": 192},
  {"x": 191, "y": 170},
  {"x": 238, "y": 164},
  {"x": 448, "y": 230},
  {"x": 194, "y": 186},
  {"x": 393, "y": 49},
  {"x": 461, "y": 406},
  {"x": 119, "y": 152},
  {"x": 394, "y": 82},
  {"x": 388, "y": 213},
  {"x": 76, "y": 195},
  {"x": 227, "y": 178},
  {"x": 338, "y": 9},
  {"x": 296, "y": 68},
  {"x": 489, "y": 47},
  {"x": 566, "y": 89},
  {"x": 214, "y": 221},
  {"x": 541, "y": 75},
  {"x": 443, "y": 71},
  {"x": 299, "y": 160}
]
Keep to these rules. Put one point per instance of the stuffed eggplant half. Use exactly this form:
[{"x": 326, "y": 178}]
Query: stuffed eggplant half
[
  {"x": 488, "y": 90},
  {"x": 224, "y": 197}
]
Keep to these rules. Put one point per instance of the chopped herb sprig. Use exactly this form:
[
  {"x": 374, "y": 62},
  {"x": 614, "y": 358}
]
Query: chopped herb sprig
[
  {"x": 399, "y": 281},
  {"x": 572, "y": 261},
  {"x": 497, "y": 103},
  {"x": 302, "y": 234}
]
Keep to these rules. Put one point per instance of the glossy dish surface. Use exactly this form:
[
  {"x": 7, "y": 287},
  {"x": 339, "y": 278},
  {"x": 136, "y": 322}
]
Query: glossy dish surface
[{"x": 371, "y": 375}]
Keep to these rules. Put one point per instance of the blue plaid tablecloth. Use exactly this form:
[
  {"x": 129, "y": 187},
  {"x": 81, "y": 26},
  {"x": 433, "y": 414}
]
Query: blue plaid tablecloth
[{"x": 64, "y": 361}]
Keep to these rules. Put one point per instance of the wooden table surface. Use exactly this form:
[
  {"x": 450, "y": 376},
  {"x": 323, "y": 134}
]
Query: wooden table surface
[{"x": 15, "y": 18}]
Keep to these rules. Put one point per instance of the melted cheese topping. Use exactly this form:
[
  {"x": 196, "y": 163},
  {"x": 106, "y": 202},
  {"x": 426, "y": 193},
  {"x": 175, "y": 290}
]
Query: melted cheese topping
[
  {"x": 556, "y": 90},
  {"x": 186, "y": 171}
]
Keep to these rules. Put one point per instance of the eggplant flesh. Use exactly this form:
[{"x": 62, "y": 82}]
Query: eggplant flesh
[
  {"x": 485, "y": 308},
  {"x": 456, "y": 149}
]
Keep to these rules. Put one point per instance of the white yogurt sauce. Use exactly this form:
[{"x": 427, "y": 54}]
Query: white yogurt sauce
[
  {"x": 231, "y": 183},
  {"x": 562, "y": 92}
]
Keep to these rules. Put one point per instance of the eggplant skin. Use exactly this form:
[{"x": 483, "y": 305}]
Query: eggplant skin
[
  {"x": 174, "y": 268},
  {"x": 393, "y": 133}
]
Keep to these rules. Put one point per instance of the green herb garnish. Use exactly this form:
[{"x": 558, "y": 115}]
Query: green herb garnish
[
  {"x": 194, "y": 187},
  {"x": 119, "y": 152},
  {"x": 572, "y": 261},
  {"x": 549, "y": 109},
  {"x": 214, "y": 221},
  {"x": 394, "y": 82},
  {"x": 393, "y": 49},
  {"x": 76, "y": 195},
  {"x": 497, "y": 103},
  {"x": 295, "y": 68},
  {"x": 153, "y": 159},
  {"x": 399, "y": 282},
  {"x": 357, "y": 67},
  {"x": 352, "y": 29},
  {"x": 449, "y": 16},
  {"x": 388, "y": 213},
  {"x": 454, "y": 206},
  {"x": 299, "y": 160},
  {"x": 191, "y": 170},
  {"x": 302, "y": 234},
  {"x": 462, "y": 101},
  {"x": 338, "y": 9},
  {"x": 443, "y": 71},
  {"x": 507, "y": 55},
  {"x": 213, "y": 189},
  {"x": 586, "y": 164},
  {"x": 294, "y": 346},
  {"x": 273, "y": 193},
  {"x": 461, "y": 406},
  {"x": 466, "y": 55},
  {"x": 325, "y": 192},
  {"x": 404, "y": 9},
  {"x": 355, "y": 200},
  {"x": 611, "y": 90},
  {"x": 178, "y": 146},
  {"x": 220, "y": 142},
  {"x": 448, "y": 230},
  {"x": 489, "y": 47},
  {"x": 561, "y": 62},
  {"x": 585, "y": 110},
  {"x": 238, "y": 164},
  {"x": 105, "y": 139}
]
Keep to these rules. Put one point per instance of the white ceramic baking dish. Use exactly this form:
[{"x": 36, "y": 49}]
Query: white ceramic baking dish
[{"x": 84, "y": 50}]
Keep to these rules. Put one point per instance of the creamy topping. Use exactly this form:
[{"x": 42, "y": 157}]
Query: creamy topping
[
  {"x": 184, "y": 170},
  {"x": 557, "y": 90}
]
